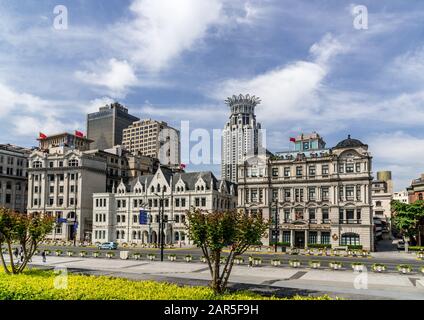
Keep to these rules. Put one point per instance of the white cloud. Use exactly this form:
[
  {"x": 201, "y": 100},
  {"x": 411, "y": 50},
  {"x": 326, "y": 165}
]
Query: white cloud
[
  {"x": 400, "y": 152},
  {"x": 288, "y": 92},
  {"x": 161, "y": 30},
  {"x": 95, "y": 104},
  {"x": 30, "y": 126},
  {"x": 116, "y": 76}
]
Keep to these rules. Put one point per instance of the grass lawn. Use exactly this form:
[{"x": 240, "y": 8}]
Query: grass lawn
[{"x": 40, "y": 285}]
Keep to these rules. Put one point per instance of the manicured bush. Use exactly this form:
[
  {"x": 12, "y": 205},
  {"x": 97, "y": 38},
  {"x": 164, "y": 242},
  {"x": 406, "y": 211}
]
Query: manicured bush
[
  {"x": 319, "y": 246},
  {"x": 415, "y": 248},
  {"x": 39, "y": 285},
  {"x": 352, "y": 247}
]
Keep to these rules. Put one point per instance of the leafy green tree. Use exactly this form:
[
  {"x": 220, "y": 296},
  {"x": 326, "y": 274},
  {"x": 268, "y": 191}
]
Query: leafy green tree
[
  {"x": 408, "y": 218},
  {"x": 28, "y": 230},
  {"x": 214, "y": 231}
]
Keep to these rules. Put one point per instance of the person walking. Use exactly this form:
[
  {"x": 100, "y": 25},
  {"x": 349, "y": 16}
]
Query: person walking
[
  {"x": 43, "y": 254},
  {"x": 16, "y": 253}
]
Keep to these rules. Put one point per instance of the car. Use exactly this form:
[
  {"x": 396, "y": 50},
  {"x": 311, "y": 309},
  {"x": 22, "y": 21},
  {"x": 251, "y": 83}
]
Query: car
[
  {"x": 108, "y": 246},
  {"x": 401, "y": 245}
]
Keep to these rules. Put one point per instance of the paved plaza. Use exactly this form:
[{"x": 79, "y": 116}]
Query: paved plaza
[{"x": 285, "y": 280}]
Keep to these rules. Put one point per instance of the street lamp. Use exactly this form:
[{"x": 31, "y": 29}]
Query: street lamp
[
  {"x": 162, "y": 222},
  {"x": 276, "y": 228}
]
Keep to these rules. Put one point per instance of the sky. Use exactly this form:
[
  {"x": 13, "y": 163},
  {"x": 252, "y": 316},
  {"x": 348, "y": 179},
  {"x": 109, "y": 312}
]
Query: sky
[{"x": 178, "y": 60}]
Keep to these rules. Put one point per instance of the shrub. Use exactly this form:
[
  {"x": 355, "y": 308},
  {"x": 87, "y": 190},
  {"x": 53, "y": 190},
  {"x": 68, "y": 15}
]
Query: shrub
[
  {"x": 39, "y": 285},
  {"x": 378, "y": 267},
  {"x": 415, "y": 248},
  {"x": 319, "y": 246},
  {"x": 352, "y": 247},
  {"x": 404, "y": 268}
]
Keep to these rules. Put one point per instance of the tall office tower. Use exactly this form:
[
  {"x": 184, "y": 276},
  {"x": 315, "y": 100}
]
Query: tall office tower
[
  {"x": 13, "y": 177},
  {"x": 105, "y": 126},
  {"x": 153, "y": 139},
  {"x": 240, "y": 138}
]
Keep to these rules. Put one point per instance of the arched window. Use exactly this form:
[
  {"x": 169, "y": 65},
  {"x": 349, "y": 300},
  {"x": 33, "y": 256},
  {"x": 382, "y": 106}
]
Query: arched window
[
  {"x": 117, "y": 234},
  {"x": 378, "y": 203},
  {"x": 122, "y": 234},
  {"x": 158, "y": 188},
  {"x": 164, "y": 189},
  {"x": 177, "y": 236},
  {"x": 350, "y": 239},
  {"x": 134, "y": 235},
  {"x": 152, "y": 189}
]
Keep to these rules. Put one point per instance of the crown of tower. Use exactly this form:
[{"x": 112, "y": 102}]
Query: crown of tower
[{"x": 243, "y": 100}]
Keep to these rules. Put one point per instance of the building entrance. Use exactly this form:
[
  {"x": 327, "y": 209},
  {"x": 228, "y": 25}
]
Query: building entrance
[{"x": 299, "y": 239}]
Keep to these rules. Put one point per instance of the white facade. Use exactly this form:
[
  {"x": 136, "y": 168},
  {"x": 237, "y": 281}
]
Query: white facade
[
  {"x": 116, "y": 215},
  {"x": 401, "y": 196},
  {"x": 240, "y": 137}
]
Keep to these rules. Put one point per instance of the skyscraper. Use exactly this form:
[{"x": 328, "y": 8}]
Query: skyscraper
[
  {"x": 106, "y": 126},
  {"x": 240, "y": 137}
]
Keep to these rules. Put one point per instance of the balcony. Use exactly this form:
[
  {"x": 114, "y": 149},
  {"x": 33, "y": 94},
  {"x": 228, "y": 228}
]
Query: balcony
[
  {"x": 326, "y": 221},
  {"x": 313, "y": 221},
  {"x": 350, "y": 221}
]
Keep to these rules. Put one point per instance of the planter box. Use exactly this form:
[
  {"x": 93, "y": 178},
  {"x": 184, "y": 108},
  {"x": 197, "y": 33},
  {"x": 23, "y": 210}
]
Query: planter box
[
  {"x": 137, "y": 256},
  {"x": 238, "y": 261},
  {"x": 422, "y": 270},
  {"x": 335, "y": 266},
  {"x": 294, "y": 264},
  {"x": 420, "y": 255},
  {"x": 404, "y": 270},
  {"x": 151, "y": 257},
  {"x": 379, "y": 268},
  {"x": 358, "y": 267},
  {"x": 57, "y": 253},
  {"x": 257, "y": 262},
  {"x": 69, "y": 254},
  {"x": 109, "y": 255},
  {"x": 203, "y": 259},
  {"x": 188, "y": 259},
  {"x": 275, "y": 263},
  {"x": 83, "y": 254},
  {"x": 315, "y": 265},
  {"x": 96, "y": 254}
]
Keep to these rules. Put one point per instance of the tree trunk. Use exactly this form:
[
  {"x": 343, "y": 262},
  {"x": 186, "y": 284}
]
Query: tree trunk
[
  {"x": 216, "y": 285},
  {"x": 3, "y": 261},
  {"x": 12, "y": 265}
]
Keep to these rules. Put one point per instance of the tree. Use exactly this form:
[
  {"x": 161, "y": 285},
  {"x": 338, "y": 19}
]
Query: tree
[
  {"x": 28, "y": 230},
  {"x": 409, "y": 218},
  {"x": 214, "y": 231}
]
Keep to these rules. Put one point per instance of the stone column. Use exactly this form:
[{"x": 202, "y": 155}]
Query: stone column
[{"x": 306, "y": 239}]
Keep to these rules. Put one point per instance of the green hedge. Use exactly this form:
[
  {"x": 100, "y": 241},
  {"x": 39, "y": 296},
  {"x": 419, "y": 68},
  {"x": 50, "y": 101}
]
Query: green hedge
[
  {"x": 415, "y": 248},
  {"x": 358, "y": 247},
  {"x": 39, "y": 285},
  {"x": 319, "y": 246}
]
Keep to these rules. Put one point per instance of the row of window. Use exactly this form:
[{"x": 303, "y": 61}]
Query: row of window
[
  {"x": 13, "y": 172},
  {"x": 60, "y": 164},
  {"x": 53, "y": 177},
  {"x": 60, "y": 202},
  {"x": 11, "y": 161}
]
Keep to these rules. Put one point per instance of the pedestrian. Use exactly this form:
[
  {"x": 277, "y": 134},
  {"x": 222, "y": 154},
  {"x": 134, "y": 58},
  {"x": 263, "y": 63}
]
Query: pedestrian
[
  {"x": 16, "y": 253},
  {"x": 21, "y": 255},
  {"x": 43, "y": 254},
  {"x": 250, "y": 262}
]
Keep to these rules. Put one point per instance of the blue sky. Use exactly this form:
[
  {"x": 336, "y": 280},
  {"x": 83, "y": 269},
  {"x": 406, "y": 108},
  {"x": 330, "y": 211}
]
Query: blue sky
[{"x": 179, "y": 60}]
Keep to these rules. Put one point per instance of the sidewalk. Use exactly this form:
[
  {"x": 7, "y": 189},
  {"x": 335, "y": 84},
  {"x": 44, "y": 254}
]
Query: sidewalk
[{"x": 335, "y": 283}]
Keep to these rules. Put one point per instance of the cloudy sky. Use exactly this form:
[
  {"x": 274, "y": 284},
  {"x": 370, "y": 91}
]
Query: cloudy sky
[{"x": 178, "y": 60}]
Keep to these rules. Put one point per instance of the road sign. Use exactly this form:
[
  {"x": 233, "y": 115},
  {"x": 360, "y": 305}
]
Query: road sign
[{"x": 143, "y": 217}]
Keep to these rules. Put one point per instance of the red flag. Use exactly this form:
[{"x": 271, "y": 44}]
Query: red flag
[
  {"x": 79, "y": 134},
  {"x": 292, "y": 139},
  {"x": 42, "y": 136},
  {"x": 182, "y": 166}
]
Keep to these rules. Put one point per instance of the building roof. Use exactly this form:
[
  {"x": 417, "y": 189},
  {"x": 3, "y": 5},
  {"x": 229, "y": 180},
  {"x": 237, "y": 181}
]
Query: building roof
[{"x": 350, "y": 143}]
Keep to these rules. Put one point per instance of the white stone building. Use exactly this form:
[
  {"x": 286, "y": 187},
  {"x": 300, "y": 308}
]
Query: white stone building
[
  {"x": 382, "y": 196},
  {"x": 322, "y": 195},
  {"x": 241, "y": 135},
  {"x": 116, "y": 215},
  {"x": 401, "y": 196}
]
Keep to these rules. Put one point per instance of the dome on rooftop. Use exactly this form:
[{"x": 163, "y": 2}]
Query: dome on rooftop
[{"x": 349, "y": 143}]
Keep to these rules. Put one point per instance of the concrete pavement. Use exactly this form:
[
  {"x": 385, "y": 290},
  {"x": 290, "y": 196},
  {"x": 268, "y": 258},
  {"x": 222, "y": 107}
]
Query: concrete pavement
[{"x": 281, "y": 281}]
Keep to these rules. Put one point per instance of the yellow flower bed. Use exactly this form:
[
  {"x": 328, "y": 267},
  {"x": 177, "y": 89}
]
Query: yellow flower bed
[{"x": 39, "y": 285}]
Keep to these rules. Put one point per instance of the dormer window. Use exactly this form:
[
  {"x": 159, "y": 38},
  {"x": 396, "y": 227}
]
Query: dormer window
[
  {"x": 37, "y": 164},
  {"x": 73, "y": 163}
]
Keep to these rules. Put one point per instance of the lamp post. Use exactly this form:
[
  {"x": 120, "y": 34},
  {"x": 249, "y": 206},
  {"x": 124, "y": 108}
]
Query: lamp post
[{"x": 276, "y": 226}]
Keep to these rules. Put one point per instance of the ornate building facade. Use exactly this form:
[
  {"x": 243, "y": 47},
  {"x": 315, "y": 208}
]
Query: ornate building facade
[
  {"x": 312, "y": 195},
  {"x": 116, "y": 214}
]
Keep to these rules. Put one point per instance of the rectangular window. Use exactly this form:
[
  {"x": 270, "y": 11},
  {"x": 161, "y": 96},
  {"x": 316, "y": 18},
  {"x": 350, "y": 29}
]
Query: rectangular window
[
  {"x": 286, "y": 236},
  {"x": 341, "y": 168},
  {"x": 275, "y": 172},
  {"x": 312, "y": 194},
  {"x": 313, "y": 236},
  {"x": 358, "y": 167},
  {"x": 298, "y": 195},
  {"x": 358, "y": 193},
  {"x": 298, "y": 214},
  {"x": 287, "y": 171},
  {"x": 349, "y": 168},
  {"x": 325, "y": 193},
  {"x": 350, "y": 190},
  {"x": 177, "y": 202},
  {"x": 312, "y": 217},
  {"x": 325, "y": 216},
  {"x": 287, "y": 194},
  {"x": 325, "y": 237},
  {"x": 341, "y": 214},
  {"x": 183, "y": 202},
  {"x": 274, "y": 195},
  {"x": 312, "y": 171},
  {"x": 350, "y": 214},
  {"x": 358, "y": 214},
  {"x": 286, "y": 215},
  {"x": 197, "y": 202},
  {"x": 203, "y": 202},
  {"x": 299, "y": 172}
]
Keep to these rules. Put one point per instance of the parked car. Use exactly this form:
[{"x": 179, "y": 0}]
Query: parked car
[
  {"x": 108, "y": 246},
  {"x": 401, "y": 245}
]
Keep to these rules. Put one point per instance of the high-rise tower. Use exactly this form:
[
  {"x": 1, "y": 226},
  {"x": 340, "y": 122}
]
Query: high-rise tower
[{"x": 240, "y": 138}]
